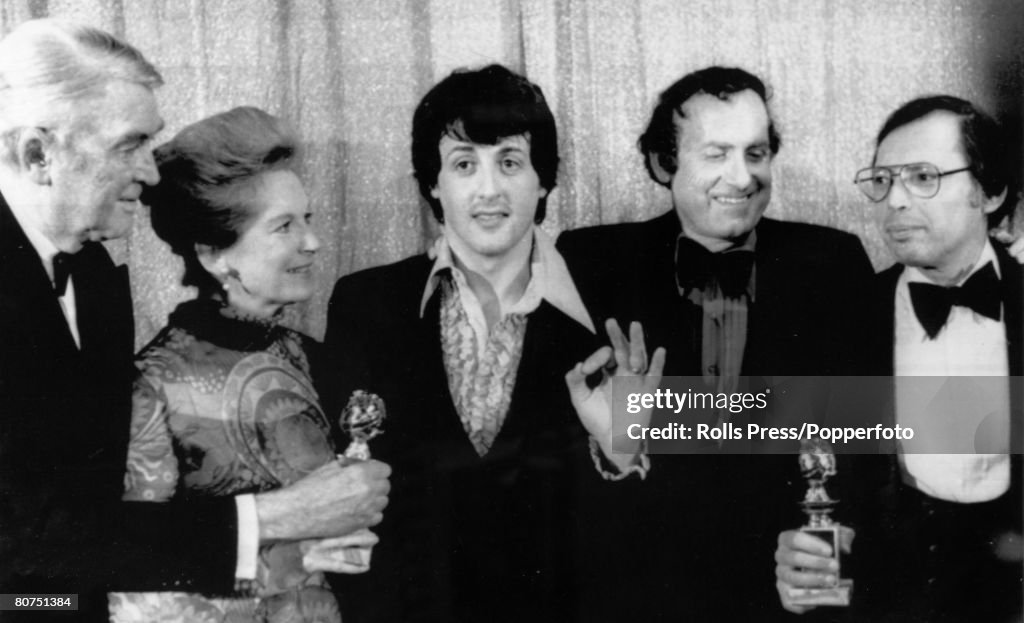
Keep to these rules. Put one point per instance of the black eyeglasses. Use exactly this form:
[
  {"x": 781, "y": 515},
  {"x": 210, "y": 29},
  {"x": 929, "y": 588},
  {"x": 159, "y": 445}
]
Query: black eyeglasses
[{"x": 921, "y": 179}]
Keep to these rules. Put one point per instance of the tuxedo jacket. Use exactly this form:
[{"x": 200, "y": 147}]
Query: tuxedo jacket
[
  {"x": 464, "y": 537},
  {"x": 702, "y": 527},
  {"x": 809, "y": 285},
  {"x": 920, "y": 559},
  {"x": 64, "y": 426}
]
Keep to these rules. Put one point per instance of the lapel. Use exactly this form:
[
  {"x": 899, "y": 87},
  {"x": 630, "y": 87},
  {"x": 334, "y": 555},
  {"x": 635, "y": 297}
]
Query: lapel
[
  {"x": 446, "y": 422},
  {"x": 553, "y": 344},
  {"x": 81, "y": 398},
  {"x": 1012, "y": 284},
  {"x": 103, "y": 303},
  {"x": 884, "y": 302},
  {"x": 784, "y": 275},
  {"x": 27, "y": 291},
  {"x": 102, "y": 294},
  {"x": 668, "y": 319}
]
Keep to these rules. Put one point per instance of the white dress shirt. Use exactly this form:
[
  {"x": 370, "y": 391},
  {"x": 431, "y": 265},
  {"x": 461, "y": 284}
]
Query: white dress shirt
[{"x": 953, "y": 391}]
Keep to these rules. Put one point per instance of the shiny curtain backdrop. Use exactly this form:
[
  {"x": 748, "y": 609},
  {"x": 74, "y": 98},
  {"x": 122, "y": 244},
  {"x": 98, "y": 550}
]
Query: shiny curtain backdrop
[{"x": 348, "y": 73}]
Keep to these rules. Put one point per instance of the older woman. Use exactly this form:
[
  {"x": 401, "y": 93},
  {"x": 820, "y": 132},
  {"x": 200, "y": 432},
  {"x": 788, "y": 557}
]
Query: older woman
[{"x": 223, "y": 404}]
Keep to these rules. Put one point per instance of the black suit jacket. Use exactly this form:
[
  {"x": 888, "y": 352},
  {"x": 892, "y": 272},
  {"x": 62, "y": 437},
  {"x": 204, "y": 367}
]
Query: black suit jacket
[
  {"x": 919, "y": 559},
  {"x": 64, "y": 425},
  {"x": 465, "y": 538},
  {"x": 810, "y": 284},
  {"x": 702, "y": 528}
]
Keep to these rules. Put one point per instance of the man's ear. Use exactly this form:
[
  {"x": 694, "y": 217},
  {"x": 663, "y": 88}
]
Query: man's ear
[
  {"x": 661, "y": 165},
  {"x": 212, "y": 260},
  {"x": 991, "y": 204},
  {"x": 35, "y": 155}
]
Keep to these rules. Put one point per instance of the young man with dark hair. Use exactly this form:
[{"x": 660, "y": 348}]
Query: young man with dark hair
[{"x": 469, "y": 345}]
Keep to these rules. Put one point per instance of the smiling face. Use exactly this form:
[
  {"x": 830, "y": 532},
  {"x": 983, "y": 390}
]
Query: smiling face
[
  {"x": 270, "y": 264},
  {"x": 489, "y": 196},
  {"x": 96, "y": 177},
  {"x": 945, "y": 233},
  {"x": 723, "y": 178}
]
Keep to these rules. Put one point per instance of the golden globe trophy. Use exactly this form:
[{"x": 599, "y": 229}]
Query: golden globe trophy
[
  {"x": 817, "y": 464},
  {"x": 362, "y": 419}
]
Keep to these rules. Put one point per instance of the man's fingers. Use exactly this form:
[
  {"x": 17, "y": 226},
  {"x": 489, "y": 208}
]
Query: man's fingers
[
  {"x": 800, "y": 541},
  {"x": 637, "y": 349},
  {"x": 359, "y": 538},
  {"x": 597, "y": 360},
  {"x": 803, "y": 560},
  {"x": 657, "y": 367},
  {"x": 846, "y": 536},
  {"x": 345, "y": 560},
  {"x": 784, "y": 597},
  {"x": 576, "y": 377},
  {"x": 1002, "y": 235},
  {"x": 1017, "y": 249},
  {"x": 371, "y": 469},
  {"x": 804, "y": 578},
  {"x": 619, "y": 344}
]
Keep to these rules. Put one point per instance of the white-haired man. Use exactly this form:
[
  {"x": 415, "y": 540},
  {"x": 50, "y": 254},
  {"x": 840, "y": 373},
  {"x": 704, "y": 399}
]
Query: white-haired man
[{"x": 77, "y": 115}]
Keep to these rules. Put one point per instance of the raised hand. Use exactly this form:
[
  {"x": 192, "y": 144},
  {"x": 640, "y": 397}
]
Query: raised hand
[{"x": 626, "y": 361}]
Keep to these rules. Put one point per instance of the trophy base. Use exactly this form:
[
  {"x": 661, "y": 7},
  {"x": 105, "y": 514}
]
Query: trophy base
[{"x": 838, "y": 595}]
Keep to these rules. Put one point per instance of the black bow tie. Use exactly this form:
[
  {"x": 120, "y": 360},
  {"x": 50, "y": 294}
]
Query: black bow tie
[
  {"x": 696, "y": 267},
  {"x": 64, "y": 265},
  {"x": 932, "y": 303}
]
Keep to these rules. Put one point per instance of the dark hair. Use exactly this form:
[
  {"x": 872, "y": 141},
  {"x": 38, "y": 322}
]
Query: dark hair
[
  {"x": 660, "y": 139},
  {"x": 981, "y": 138},
  {"x": 483, "y": 106},
  {"x": 206, "y": 189}
]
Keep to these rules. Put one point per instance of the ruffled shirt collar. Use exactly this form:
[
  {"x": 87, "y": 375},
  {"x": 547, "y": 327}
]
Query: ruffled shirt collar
[{"x": 549, "y": 281}]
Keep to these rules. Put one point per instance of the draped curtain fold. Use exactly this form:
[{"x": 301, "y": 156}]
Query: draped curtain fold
[{"x": 348, "y": 74}]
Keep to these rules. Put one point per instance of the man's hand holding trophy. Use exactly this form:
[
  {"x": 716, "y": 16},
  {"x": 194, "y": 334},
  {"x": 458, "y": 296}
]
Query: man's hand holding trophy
[
  {"x": 361, "y": 420},
  {"x": 808, "y": 559}
]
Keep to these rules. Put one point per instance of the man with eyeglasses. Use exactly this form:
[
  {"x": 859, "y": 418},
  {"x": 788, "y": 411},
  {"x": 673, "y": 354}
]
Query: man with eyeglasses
[{"x": 939, "y": 540}]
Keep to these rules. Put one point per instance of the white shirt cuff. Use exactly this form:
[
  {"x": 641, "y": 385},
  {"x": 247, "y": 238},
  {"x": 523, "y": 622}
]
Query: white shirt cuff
[{"x": 248, "y": 537}]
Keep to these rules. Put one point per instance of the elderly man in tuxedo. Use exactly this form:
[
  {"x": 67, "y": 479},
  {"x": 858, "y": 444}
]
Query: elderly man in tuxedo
[
  {"x": 77, "y": 115},
  {"x": 938, "y": 524}
]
